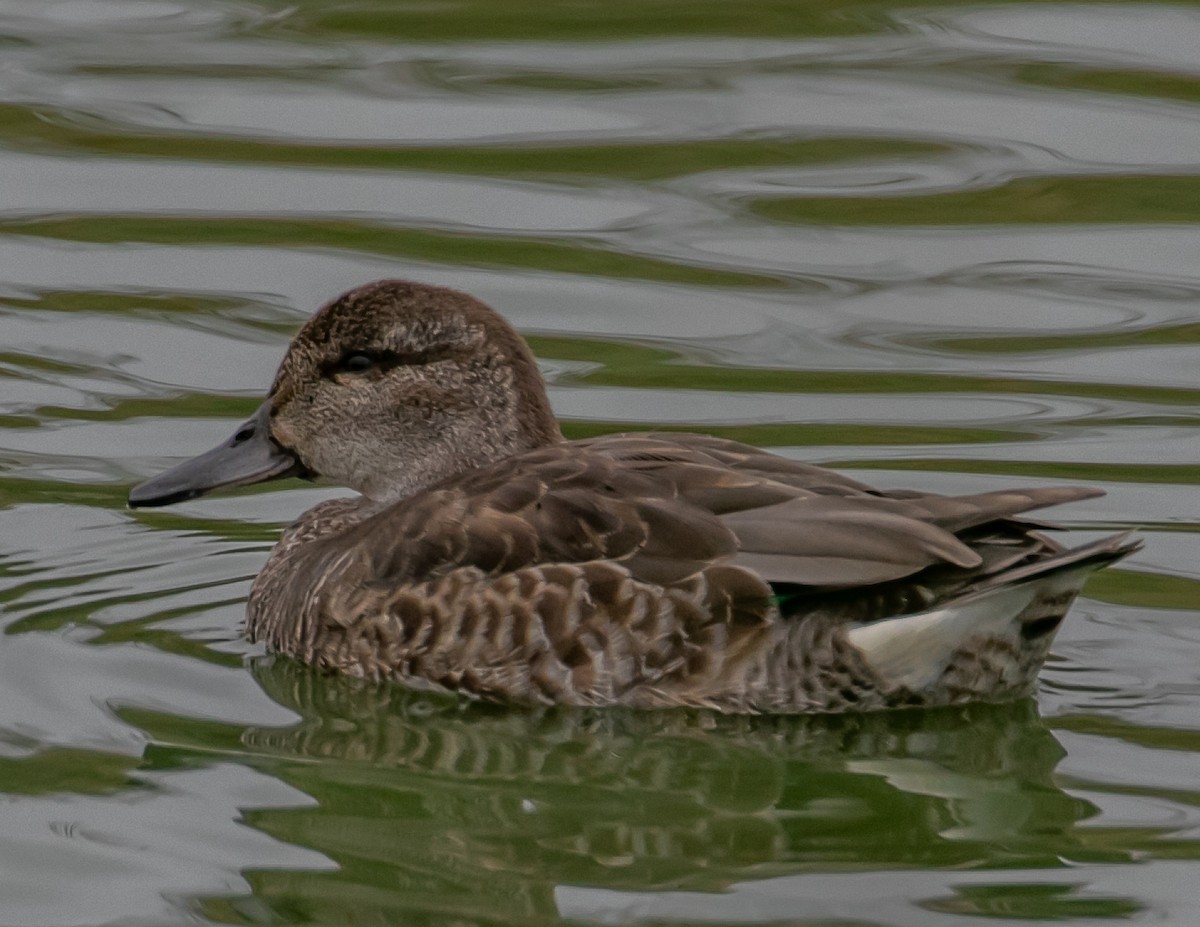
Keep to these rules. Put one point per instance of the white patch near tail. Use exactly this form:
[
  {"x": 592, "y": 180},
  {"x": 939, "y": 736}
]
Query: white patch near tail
[{"x": 914, "y": 650}]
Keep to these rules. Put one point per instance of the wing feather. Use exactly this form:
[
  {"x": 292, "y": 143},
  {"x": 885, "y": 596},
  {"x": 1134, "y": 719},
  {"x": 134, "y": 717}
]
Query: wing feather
[
  {"x": 666, "y": 507},
  {"x": 839, "y": 543}
]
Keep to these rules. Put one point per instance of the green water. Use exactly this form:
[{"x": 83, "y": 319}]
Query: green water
[{"x": 948, "y": 246}]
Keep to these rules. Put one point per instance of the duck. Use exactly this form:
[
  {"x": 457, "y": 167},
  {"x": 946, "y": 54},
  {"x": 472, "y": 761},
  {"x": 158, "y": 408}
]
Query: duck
[{"x": 484, "y": 554}]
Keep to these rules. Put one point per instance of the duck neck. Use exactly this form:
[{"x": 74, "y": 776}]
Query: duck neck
[{"x": 460, "y": 445}]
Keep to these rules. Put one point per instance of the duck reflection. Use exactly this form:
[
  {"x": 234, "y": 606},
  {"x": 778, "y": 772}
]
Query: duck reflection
[{"x": 450, "y": 812}]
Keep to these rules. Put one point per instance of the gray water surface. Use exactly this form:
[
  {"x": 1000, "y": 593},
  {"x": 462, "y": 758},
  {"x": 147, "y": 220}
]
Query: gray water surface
[{"x": 949, "y": 246}]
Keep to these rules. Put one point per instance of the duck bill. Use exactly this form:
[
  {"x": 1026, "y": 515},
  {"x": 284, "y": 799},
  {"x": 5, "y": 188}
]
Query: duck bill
[{"x": 249, "y": 456}]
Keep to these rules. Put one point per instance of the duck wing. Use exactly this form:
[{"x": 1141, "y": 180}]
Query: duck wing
[{"x": 666, "y": 506}]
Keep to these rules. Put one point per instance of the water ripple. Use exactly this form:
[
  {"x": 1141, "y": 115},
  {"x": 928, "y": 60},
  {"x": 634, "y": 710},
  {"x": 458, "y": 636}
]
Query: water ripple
[{"x": 950, "y": 246}]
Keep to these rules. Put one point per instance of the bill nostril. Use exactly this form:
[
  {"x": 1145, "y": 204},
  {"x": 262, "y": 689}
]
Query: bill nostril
[{"x": 243, "y": 434}]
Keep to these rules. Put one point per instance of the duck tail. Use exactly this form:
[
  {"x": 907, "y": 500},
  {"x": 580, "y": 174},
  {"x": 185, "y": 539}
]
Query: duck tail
[{"x": 989, "y": 642}]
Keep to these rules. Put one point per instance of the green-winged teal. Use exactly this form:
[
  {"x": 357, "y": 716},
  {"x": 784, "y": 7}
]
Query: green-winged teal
[{"x": 486, "y": 555}]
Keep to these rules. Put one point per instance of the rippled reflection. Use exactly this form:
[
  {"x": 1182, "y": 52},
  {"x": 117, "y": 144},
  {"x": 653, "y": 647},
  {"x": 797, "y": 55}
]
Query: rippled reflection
[{"x": 468, "y": 811}]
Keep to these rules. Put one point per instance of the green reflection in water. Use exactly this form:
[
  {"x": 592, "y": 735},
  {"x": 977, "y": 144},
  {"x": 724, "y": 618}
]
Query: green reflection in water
[
  {"x": 621, "y": 363},
  {"x": 1032, "y": 902},
  {"x": 1183, "y": 333},
  {"x": 1111, "y": 199},
  {"x": 790, "y": 434},
  {"x": 465, "y": 249},
  {"x": 67, "y": 770},
  {"x": 1158, "y": 738},
  {"x": 1144, "y": 589},
  {"x": 1133, "y": 81},
  {"x": 25, "y": 128},
  {"x": 456, "y": 813},
  {"x": 527, "y": 20}
]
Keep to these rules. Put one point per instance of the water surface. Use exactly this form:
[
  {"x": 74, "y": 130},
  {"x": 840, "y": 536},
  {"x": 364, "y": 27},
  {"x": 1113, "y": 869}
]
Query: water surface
[{"x": 947, "y": 246}]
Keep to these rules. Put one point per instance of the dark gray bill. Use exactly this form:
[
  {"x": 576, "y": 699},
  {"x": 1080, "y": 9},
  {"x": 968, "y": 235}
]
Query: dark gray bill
[{"x": 250, "y": 456}]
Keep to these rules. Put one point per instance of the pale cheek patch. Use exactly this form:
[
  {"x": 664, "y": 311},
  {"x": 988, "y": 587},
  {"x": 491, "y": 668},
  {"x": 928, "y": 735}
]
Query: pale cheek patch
[{"x": 281, "y": 434}]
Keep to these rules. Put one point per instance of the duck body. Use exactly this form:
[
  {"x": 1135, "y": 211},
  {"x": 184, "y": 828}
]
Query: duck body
[{"x": 490, "y": 557}]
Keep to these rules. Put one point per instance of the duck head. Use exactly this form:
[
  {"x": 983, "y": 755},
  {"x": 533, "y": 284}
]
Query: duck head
[{"x": 388, "y": 389}]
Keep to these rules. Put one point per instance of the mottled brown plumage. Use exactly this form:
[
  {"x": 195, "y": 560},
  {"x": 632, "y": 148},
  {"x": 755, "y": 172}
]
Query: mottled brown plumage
[{"x": 489, "y": 556}]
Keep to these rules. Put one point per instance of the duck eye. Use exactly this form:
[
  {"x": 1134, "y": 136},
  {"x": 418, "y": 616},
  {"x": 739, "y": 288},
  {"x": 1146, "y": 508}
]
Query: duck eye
[{"x": 358, "y": 362}]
